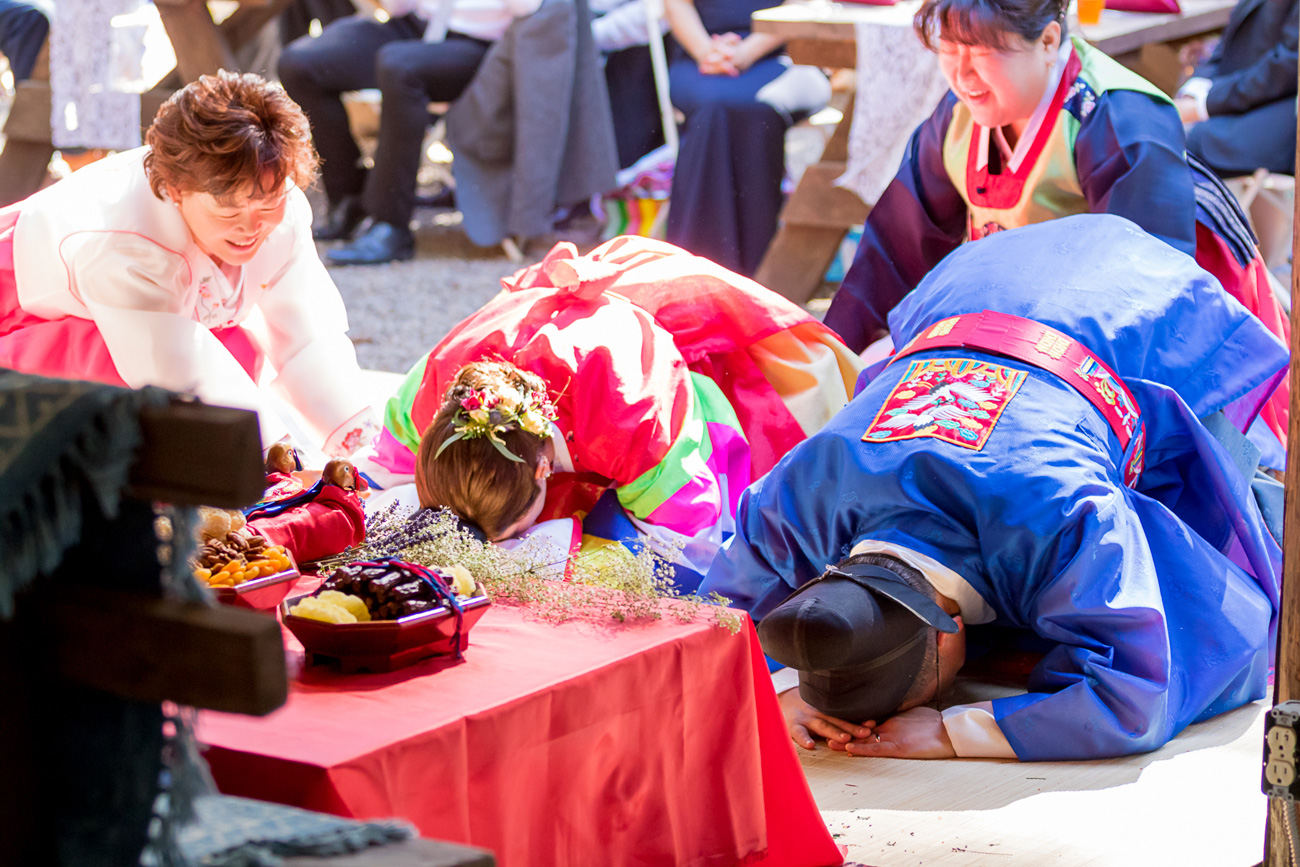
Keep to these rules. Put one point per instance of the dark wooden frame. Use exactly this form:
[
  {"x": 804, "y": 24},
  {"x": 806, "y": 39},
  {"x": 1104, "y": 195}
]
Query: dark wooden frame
[{"x": 137, "y": 647}]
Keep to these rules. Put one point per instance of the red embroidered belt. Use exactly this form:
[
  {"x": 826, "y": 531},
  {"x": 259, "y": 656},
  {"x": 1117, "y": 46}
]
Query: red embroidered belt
[{"x": 1044, "y": 347}]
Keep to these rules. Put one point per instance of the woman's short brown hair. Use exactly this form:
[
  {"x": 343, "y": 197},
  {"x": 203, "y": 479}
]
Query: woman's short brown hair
[
  {"x": 471, "y": 477},
  {"x": 226, "y": 133}
]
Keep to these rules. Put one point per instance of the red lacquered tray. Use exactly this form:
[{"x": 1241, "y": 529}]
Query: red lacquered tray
[
  {"x": 259, "y": 593},
  {"x": 384, "y": 645}
]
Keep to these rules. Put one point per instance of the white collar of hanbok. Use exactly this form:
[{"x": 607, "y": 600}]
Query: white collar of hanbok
[
  {"x": 563, "y": 462},
  {"x": 974, "y": 609}
]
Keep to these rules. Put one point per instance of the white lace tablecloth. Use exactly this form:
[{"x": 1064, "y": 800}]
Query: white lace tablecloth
[
  {"x": 94, "y": 88},
  {"x": 899, "y": 85}
]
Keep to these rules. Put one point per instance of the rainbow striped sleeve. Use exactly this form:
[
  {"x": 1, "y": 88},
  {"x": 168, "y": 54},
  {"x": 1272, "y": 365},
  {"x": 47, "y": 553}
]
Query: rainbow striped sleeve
[{"x": 706, "y": 468}]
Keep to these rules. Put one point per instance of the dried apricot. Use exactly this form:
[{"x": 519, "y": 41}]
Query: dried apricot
[{"x": 316, "y": 609}]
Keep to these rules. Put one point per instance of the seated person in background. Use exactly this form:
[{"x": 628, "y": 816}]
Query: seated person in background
[
  {"x": 419, "y": 55},
  {"x": 24, "y": 24},
  {"x": 186, "y": 264},
  {"x": 673, "y": 382},
  {"x": 1242, "y": 101},
  {"x": 622, "y": 35},
  {"x": 261, "y": 54},
  {"x": 739, "y": 95},
  {"x": 1036, "y": 127},
  {"x": 1042, "y": 468}
]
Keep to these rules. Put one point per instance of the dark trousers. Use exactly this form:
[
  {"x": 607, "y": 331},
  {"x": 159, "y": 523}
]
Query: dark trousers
[
  {"x": 295, "y": 20},
  {"x": 23, "y": 27},
  {"x": 1238, "y": 144},
  {"x": 726, "y": 191},
  {"x": 634, "y": 103},
  {"x": 358, "y": 53}
]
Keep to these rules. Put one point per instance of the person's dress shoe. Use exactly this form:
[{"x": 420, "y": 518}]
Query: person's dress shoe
[
  {"x": 341, "y": 221},
  {"x": 382, "y": 242},
  {"x": 444, "y": 198}
]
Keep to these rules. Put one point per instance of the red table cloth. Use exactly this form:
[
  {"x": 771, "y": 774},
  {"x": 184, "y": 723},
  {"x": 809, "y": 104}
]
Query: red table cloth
[{"x": 569, "y": 745}]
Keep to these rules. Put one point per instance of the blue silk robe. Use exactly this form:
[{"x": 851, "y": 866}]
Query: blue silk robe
[{"x": 1159, "y": 601}]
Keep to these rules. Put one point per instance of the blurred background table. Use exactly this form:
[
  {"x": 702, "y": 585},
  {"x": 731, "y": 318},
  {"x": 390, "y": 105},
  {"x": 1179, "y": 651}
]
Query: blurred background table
[
  {"x": 819, "y": 33},
  {"x": 575, "y": 744}
]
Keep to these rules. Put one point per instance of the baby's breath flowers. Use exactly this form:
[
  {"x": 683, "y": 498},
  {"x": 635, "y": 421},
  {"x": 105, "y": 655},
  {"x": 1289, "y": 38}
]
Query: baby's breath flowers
[{"x": 612, "y": 581}]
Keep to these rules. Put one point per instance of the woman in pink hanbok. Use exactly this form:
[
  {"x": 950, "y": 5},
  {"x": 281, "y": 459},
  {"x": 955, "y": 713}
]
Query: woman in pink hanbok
[{"x": 187, "y": 264}]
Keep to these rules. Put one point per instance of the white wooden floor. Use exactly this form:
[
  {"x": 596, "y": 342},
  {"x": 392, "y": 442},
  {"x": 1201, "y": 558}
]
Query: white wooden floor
[{"x": 1195, "y": 802}]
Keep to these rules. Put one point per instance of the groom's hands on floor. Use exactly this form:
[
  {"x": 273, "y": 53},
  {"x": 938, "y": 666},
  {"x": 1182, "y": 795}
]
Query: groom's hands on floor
[
  {"x": 804, "y": 721},
  {"x": 918, "y": 733}
]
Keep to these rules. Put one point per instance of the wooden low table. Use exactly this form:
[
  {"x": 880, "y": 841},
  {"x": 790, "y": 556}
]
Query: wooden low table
[
  {"x": 819, "y": 33},
  {"x": 201, "y": 45}
]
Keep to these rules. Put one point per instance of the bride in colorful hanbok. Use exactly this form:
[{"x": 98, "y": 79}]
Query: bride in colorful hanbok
[
  {"x": 636, "y": 390},
  {"x": 186, "y": 264}
]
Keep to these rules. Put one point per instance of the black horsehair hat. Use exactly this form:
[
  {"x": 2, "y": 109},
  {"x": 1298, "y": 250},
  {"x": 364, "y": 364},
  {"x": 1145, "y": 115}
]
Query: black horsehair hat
[{"x": 856, "y": 634}]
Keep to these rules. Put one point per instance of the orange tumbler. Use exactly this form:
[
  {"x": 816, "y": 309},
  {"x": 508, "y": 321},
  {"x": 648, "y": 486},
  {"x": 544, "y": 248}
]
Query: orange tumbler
[{"x": 1089, "y": 11}]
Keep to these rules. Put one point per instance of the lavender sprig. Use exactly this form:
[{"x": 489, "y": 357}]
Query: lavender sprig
[{"x": 611, "y": 581}]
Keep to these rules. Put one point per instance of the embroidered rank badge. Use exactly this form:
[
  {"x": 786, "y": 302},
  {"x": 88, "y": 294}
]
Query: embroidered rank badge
[{"x": 958, "y": 400}]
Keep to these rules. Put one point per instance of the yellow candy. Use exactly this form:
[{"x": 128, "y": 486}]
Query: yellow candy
[
  {"x": 327, "y": 612},
  {"x": 354, "y": 604},
  {"x": 462, "y": 581}
]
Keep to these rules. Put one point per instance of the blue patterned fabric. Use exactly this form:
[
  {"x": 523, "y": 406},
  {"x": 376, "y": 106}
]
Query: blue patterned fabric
[
  {"x": 1157, "y": 601},
  {"x": 239, "y": 832}
]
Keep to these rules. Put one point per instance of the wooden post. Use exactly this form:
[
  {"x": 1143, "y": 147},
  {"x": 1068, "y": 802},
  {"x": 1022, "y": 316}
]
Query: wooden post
[
  {"x": 1286, "y": 679},
  {"x": 817, "y": 215}
]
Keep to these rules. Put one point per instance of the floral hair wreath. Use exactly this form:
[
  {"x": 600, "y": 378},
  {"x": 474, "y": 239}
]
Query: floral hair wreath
[{"x": 486, "y": 413}]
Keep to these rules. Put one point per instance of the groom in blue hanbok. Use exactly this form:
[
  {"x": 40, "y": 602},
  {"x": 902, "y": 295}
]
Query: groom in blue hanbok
[{"x": 1055, "y": 448}]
